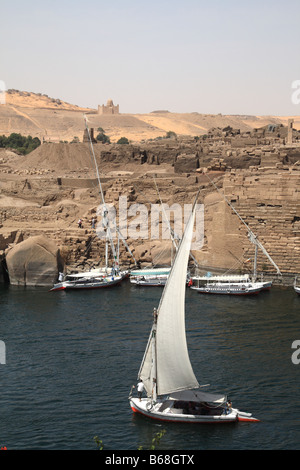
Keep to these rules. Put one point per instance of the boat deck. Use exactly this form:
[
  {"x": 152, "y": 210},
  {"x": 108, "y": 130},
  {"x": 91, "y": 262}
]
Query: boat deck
[{"x": 183, "y": 411}]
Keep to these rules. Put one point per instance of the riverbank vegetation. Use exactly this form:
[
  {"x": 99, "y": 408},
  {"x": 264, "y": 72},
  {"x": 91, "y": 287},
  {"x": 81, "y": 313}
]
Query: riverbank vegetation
[{"x": 20, "y": 143}]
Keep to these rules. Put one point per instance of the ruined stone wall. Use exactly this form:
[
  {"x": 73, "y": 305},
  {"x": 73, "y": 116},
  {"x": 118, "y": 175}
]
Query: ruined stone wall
[{"x": 269, "y": 202}]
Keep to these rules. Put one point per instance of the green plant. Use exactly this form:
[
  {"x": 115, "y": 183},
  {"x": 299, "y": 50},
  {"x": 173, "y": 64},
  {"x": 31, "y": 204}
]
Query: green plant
[
  {"x": 155, "y": 440},
  {"x": 101, "y": 137},
  {"x": 18, "y": 142},
  {"x": 123, "y": 140},
  {"x": 99, "y": 443}
]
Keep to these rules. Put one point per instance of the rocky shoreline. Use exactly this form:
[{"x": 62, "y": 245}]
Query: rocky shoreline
[{"x": 44, "y": 194}]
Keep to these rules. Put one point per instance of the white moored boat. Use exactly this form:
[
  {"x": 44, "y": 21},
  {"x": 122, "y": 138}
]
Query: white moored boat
[
  {"x": 239, "y": 285},
  {"x": 103, "y": 277},
  {"x": 92, "y": 282},
  {"x": 150, "y": 276},
  {"x": 227, "y": 285},
  {"x": 173, "y": 392}
]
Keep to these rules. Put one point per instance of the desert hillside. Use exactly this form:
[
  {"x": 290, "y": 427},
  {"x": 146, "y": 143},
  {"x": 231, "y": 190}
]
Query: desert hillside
[{"x": 52, "y": 119}]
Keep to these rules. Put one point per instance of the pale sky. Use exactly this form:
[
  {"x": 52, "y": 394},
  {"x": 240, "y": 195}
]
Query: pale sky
[{"x": 213, "y": 56}]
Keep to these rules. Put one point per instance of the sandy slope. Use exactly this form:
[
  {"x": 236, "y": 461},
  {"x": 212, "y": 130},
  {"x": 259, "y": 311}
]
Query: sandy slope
[{"x": 26, "y": 99}]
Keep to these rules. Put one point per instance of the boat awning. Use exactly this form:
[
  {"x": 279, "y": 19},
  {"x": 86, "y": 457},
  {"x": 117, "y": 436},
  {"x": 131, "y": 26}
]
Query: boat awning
[
  {"x": 223, "y": 278},
  {"x": 150, "y": 272},
  {"x": 86, "y": 274},
  {"x": 197, "y": 395}
]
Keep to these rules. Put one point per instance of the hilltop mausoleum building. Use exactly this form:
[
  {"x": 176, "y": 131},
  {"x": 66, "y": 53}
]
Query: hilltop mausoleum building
[{"x": 110, "y": 108}]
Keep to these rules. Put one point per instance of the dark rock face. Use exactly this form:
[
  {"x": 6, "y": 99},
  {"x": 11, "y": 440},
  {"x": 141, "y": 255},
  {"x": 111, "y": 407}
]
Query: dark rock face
[{"x": 186, "y": 163}]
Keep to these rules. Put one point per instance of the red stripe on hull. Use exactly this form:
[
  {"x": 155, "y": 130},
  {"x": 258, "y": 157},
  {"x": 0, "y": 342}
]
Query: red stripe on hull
[{"x": 248, "y": 420}]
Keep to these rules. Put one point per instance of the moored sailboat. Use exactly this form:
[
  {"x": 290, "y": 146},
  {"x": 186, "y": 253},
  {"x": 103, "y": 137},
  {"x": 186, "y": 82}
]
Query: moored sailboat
[
  {"x": 227, "y": 285},
  {"x": 150, "y": 276},
  {"x": 107, "y": 276},
  {"x": 236, "y": 284},
  {"x": 92, "y": 282},
  {"x": 173, "y": 392}
]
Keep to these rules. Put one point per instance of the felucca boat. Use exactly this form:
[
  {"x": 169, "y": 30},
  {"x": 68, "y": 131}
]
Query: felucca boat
[
  {"x": 152, "y": 277},
  {"x": 73, "y": 282},
  {"x": 227, "y": 285},
  {"x": 105, "y": 276},
  {"x": 173, "y": 392},
  {"x": 235, "y": 285}
]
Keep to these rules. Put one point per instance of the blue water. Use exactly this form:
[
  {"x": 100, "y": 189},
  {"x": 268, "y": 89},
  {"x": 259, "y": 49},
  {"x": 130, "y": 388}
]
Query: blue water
[{"x": 71, "y": 358}]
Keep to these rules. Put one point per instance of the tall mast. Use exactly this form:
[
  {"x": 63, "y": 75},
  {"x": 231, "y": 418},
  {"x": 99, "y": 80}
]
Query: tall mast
[
  {"x": 154, "y": 357},
  {"x": 255, "y": 264},
  {"x": 105, "y": 211},
  {"x": 95, "y": 161}
]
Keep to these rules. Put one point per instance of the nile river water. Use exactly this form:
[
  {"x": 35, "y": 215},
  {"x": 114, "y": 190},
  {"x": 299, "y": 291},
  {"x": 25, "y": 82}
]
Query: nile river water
[{"x": 71, "y": 358}]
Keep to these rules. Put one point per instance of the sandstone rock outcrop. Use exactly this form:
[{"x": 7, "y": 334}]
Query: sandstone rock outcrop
[{"x": 34, "y": 262}]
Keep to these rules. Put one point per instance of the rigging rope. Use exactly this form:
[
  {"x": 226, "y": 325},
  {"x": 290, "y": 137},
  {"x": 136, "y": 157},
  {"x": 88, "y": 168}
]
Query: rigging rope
[{"x": 253, "y": 238}]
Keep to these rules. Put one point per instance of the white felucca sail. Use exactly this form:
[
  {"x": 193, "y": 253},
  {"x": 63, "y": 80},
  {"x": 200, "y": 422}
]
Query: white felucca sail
[
  {"x": 166, "y": 366},
  {"x": 166, "y": 371}
]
